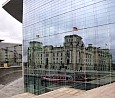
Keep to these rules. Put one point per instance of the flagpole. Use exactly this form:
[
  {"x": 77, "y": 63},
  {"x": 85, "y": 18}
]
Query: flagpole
[{"x": 74, "y": 54}]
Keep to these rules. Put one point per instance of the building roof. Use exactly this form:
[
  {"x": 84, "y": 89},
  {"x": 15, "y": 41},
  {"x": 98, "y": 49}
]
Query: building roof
[
  {"x": 14, "y": 8},
  {"x": 107, "y": 91},
  {"x": 74, "y": 35},
  {"x": 9, "y": 45}
]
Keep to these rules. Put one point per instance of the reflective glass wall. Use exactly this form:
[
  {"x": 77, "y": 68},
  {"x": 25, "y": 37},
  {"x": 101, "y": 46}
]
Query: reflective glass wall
[{"x": 68, "y": 43}]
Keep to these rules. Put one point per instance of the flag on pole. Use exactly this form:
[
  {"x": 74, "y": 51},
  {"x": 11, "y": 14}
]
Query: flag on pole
[{"x": 75, "y": 29}]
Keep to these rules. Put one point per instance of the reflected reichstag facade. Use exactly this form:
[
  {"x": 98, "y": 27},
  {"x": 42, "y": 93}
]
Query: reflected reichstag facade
[
  {"x": 68, "y": 43},
  {"x": 72, "y": 56}
]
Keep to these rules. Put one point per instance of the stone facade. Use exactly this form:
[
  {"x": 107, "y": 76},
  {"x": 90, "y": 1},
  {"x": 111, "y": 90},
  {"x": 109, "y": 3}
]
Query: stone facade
[
  {"x": 73, "y": 55},
  {"x": 11, "y": 54}
]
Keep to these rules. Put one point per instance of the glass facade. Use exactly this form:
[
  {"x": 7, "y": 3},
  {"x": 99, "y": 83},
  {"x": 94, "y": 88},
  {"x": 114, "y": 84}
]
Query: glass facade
[{"x": 68, "y": 43}]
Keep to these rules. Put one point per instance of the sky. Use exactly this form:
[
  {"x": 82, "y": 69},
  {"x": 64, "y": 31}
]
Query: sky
[
  {"x": 10, "y": 28},
  {"x": 97, "y": 17}
]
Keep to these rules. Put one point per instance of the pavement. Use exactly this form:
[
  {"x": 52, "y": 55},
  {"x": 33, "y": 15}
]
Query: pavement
[
  {"x": 106, "y": 91},
  {"x": 11, "y": 89},
  {"x": 1, "y": 86}
]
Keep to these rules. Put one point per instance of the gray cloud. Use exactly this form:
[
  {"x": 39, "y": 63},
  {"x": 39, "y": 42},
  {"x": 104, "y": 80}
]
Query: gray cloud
[{"x": 10, "y": 28}]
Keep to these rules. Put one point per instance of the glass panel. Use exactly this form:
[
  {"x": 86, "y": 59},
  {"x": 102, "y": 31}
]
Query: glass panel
[{"x": 68, "y": 43}]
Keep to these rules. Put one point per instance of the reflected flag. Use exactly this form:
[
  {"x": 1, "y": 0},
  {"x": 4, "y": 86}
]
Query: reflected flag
[
  {"x": 75, "y": 29},
  {"x": 37, "y": 36}
]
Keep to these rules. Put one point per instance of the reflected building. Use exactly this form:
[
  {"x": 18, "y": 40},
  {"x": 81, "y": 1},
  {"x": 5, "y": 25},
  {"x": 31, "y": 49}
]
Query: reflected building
[{"x": 72, "y": 56}]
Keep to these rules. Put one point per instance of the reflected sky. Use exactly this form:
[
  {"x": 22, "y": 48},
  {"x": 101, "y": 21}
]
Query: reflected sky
[{"x": 53, "y": 19}]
